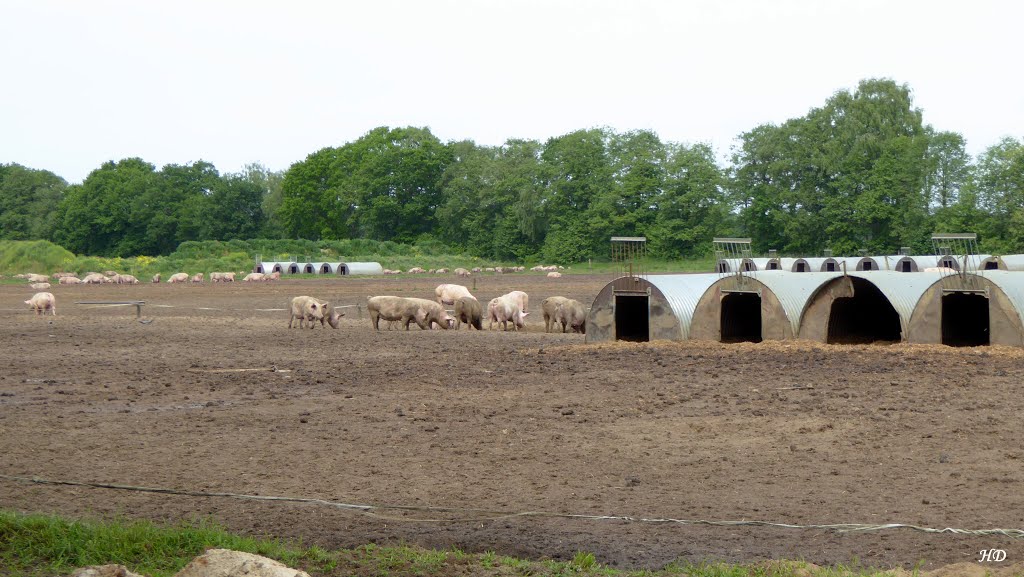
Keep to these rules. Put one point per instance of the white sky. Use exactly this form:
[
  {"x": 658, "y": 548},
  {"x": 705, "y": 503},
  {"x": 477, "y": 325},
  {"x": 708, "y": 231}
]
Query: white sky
[{"x": 84, "y": 82}]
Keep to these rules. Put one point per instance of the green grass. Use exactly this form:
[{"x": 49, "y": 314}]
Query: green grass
[
  {"x": 45, "y": 546},
  {"x": 44, "y": 257}
]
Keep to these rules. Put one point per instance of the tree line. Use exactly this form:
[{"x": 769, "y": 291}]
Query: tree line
[{"x": 863, "y": 171}]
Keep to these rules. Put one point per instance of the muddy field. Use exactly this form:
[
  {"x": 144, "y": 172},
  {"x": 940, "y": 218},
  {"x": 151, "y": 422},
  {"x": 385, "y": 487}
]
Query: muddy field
[{"x": 792, "y": 433}]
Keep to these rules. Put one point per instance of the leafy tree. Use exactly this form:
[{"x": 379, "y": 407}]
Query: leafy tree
[
  {"x": 693, "y": 207},
  {"x": 948, "y": 170},
  {"x": 576, "y": 172},
  {"x": 1000, "y": 183},
  {"x": 96, "y": 217},
  {"x": 28, "y": 202},
  {"x": 849, "y": 175}
]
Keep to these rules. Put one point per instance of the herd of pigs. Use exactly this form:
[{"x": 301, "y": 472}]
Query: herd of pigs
[{"x": 509, "y": 311}]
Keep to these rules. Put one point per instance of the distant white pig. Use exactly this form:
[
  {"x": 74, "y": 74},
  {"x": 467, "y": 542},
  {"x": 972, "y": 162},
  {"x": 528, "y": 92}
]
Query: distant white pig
[
  {"x": 39, "y": 286},
  {"x": 41, "y": 302},
  {"x": 178, "y": 277}
]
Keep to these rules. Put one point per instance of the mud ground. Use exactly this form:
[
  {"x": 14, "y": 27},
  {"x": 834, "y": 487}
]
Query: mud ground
[{"x": 488, "y": 424}]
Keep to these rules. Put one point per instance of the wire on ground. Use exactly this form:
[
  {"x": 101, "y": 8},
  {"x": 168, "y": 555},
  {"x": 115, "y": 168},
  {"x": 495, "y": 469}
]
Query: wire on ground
[{"x": 491, "y": 515}]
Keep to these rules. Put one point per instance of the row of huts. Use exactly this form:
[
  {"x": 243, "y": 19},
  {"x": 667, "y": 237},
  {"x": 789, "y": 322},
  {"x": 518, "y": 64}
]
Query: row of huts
[
  {"x": 965, "y": 309},
  {"x": 327, "y": 268},
  {"x": 898, "y": 263}
]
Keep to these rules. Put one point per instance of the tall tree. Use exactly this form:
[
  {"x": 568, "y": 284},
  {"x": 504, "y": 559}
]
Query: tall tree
[
  {"x": 96, "y": 217},
  {"x": 1000, "y": 184},
  {"x": 28, "y": 202},
  {"x": 849, "y": 175}
]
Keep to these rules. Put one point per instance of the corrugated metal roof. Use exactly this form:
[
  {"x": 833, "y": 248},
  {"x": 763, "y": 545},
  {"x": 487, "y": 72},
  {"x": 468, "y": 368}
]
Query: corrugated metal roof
[
  {"x": 683, "y": 291},
  {"x": 1012, "y": 284}
]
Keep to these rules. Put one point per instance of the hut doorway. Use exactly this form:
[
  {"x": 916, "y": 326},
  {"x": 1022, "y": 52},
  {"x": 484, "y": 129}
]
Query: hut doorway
[
  {"x": 965, "y": 320},
  {"x": 865, "y": 317},
  {"x": 342, "y": 269},
  {"x": 293, "y": 269},
  {"x": 309, "y": 269},
  {"x": 632, "y": 318},
  {"x": 741, "y": 317}
]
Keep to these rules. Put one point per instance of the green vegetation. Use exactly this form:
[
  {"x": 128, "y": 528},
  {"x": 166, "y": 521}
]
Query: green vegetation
[
  {"x": 44, "y": 257},
  {"x": 862, "y": 171},
  {"x": 43, "y": 546}
]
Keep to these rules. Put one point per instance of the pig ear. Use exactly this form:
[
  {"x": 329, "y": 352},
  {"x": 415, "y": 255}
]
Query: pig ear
[
  {"x": 526, "y": 314},
  {"x": 324, "y": 304}
]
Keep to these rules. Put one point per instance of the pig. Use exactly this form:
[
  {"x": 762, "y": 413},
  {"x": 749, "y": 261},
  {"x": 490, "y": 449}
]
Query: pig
[
  {"x": 94, "y": 278},
  {"x": 178, "y": 277},
  {"x": 447, "y": 294},
  {"x": 156, "y": 278},
  {"x": 253, "y": 277},
  {"x": 468, "y": 310},
  {"x": 549, "y": 307},
  {"x": 406, "y": 310},
  {"x": 389, "y": 308},
  {"x": 124, "y": 279},
  {"x": 417, "y": 270},
  {"x": 41, "y": 302},
  {"x": 461, "y": 272},
  {"x": 571, "y": 314},
  {"x": 522, "y": 298},
  {"x": 198, "y": 277},
  {"x": 554, "y": 274},
  {"x": 39, "y": 286},
  {"x": 31, "y": 277},
  {"x": 69, "y": 280},
  {"x": 503, "y": 309},
  {"x": 332, "y": 316},
  {"x": 427, "y": 313},
  {"x": 305, "y": 309},
  {"x": 273, "y": 276}
]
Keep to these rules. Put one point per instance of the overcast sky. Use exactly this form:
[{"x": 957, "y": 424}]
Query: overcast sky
[{"x": 233, "y": 83}]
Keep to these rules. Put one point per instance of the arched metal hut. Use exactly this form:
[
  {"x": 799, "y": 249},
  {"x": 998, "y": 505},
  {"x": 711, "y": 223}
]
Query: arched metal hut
[
  {"x": 658, "y": 307},
  {"x": 861, "y": 263},
  {"x": 765, "y": 263},
  {"x": 1012, "y": 262},
  {"x": 971, "y": 310},
  {"x": 357, "y": 268},
  {"x": 861, "y": 307},
  {"x": 311, "y": 267},
  {"x": 899, "y": 263},
  {"x": 764, "y": 306}
]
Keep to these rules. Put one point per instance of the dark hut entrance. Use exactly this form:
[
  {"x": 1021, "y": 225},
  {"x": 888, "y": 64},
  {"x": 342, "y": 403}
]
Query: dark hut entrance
[
  {"x": 293, "y": 269},
  {"x": 632, "y": 318},
  {"x": 965, "y": 320},
  {"x": 741, "y": 317},
  {"x": 309, "y": 269},
  {"x": 865, "y": 317}
]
